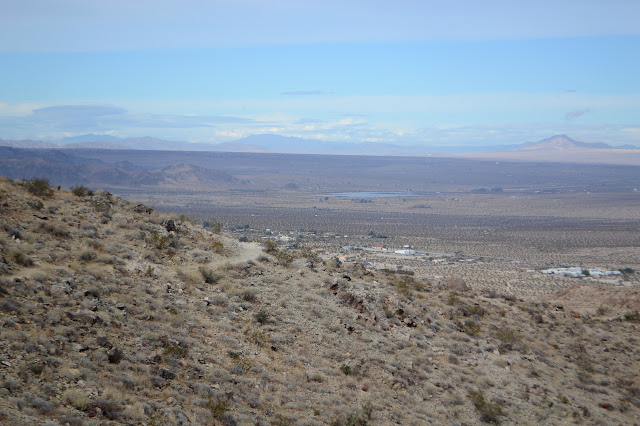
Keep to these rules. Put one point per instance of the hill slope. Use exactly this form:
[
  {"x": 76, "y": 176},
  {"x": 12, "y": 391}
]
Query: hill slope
[{"x": 111, "y": 313}]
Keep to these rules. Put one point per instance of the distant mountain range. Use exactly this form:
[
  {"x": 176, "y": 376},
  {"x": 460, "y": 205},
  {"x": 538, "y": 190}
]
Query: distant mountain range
[
  {"x": 555, "y": 148},
  {"x": 67, "y": 169},
  {"x": 563, "y": 149}
]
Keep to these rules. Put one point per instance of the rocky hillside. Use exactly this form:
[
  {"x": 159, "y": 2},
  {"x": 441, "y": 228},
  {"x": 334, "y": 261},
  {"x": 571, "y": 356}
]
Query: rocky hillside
[{"x": 111, "y": 313}]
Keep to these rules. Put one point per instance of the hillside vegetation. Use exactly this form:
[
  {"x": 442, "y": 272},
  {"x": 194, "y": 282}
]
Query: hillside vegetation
[{"x": 111, "y": 313}]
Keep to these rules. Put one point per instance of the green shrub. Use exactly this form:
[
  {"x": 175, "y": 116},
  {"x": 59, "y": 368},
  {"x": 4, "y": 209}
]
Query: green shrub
[
  {"x": 175, "y": 350},
  {"x": 490, "y": 412},
  {"x": 361, "y": 417},
  {"x": 218, "y": 408},
  {"x": 35, "y": 204},
  {"x": 262, "y": 317},
  {"x": 508, "y": 339},
  {"x": 39, "y": 187},
  {"x": 284, "y": 257},
  {"x": 159, "y": 241},
  {"x": 346, "y": 369},
  {"x": 81, "y": 191},
  {"x": 241, "y": 365},
  {"x": 632, "y": 316},
  {"x": 471, "y": 328}
]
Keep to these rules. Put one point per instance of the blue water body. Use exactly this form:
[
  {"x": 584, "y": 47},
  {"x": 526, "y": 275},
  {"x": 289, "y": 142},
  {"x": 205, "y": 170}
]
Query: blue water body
[{"x": 378, "y": 194}]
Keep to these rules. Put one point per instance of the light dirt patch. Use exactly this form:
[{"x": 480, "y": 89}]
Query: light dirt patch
[{"x": 588, "y": 298}]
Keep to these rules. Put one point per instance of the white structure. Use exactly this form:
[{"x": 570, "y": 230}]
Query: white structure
[
  {"x": 405, "y": 252},
  {"x": 577, "y": 272}
]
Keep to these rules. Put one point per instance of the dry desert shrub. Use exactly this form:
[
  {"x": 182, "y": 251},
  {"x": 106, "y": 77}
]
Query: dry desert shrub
[{"x": 39, "y": 187}]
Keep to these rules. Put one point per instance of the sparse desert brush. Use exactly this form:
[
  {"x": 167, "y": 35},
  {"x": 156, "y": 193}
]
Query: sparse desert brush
[
  {"x": 77, "y": 398},
  {"x": 87, "y": 255},
  {"x": 55, "y": 230},
  {"x": 632, "y": 316},
  {"x": 241, "y": 365},
  {"x": 285, "y": 258},
  {"x": 159, "y": 241},
  {"x": 471, "y": 328},
  {"x": 405, "y": 284},
  {"x": 175, "y": 350},
  {"x": 229, "y": 266},
  {"x": 20, "y": 257},
  {"x": 453, "y": 299},
  {"x": 508, "y": 339},
  {"x": 490, "y": 412},
  {"x": 210, "y": 276},
  {"x": 39, "y": 187},
  {"x": 218, "y": 247},
  {"x": 258, "y": 337},
  {"x": 218, "y": 408},
  {"x": 346, "y": 369},
  {"x": 12, "y": 231},
  {"x": 262, "y": 317},
  {"x": 101, "y": 205},
  {"x": 360, "y": 417},
  {"x": 35, "y": 204},
  {"x": 81, "y": 191},
  {"x": 249, "y": 296},
  {"x": 270, "y": 247},
  {"x": 333, "y": 263}
]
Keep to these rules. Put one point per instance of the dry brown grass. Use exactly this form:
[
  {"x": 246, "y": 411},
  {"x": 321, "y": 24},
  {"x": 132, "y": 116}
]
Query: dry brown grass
[{"x": 111, "y": 325}]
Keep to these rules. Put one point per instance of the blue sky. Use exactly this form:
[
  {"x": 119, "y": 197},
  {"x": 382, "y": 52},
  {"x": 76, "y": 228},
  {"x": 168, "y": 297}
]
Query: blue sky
[{"x": 412, "y": 72}]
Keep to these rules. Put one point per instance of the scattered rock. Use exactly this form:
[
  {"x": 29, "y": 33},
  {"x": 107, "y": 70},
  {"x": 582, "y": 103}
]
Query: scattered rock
[{"x": 456, "y": 284}]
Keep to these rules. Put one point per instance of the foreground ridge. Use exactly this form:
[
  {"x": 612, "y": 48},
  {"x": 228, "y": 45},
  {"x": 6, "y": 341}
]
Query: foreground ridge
[{"x": 112, "y": 313}]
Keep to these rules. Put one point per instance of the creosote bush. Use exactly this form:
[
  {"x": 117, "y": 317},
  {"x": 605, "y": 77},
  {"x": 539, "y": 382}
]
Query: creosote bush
[
  {"x": 81, "y": 191},
  {"x": 632, "y": 316},
  {"x": 490, "y": 412},
  {"x": 175, "y": 350},
  {"x": 360, "y": 417},
  {"x": 210, "y": 276},
  {"x": 262, "y": 317},
  {"x": 217, "y": 247},
  {"x": 39, "y": 187},
  {"x": 20, "y": 257},
  {"x": 508, "y": 339},
  {"x": 471, "y": 328},
  {"x": 35, "y": 204},
  {"x": 270, "y": 247},
  {"x": 346, "y": 369}
]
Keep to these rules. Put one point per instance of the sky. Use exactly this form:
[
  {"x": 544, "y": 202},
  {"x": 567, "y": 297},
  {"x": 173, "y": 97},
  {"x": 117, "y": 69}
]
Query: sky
[{"x": 429, "y": 72}]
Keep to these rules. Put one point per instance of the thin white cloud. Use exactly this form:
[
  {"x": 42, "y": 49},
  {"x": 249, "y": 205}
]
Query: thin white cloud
[
  {"x": 58, "y": 119},
  {"x": 572, "y": 115}
]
